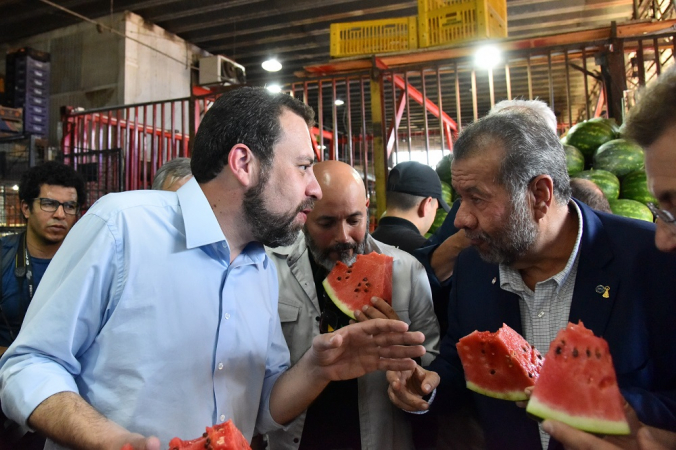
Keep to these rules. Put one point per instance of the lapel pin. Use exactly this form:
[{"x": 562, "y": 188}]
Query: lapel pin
[
  {"x": 494, "y": 280},
  {"x": 600, "y": 289}
]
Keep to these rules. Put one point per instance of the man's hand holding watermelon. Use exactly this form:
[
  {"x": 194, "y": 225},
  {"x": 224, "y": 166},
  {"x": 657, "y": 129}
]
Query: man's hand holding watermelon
[
  {"x": 380, "y": 310},
  {"x": 346, "y": 353}
]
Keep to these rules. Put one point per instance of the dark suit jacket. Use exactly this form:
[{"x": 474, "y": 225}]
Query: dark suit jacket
[{"x": 637, "y": 321}]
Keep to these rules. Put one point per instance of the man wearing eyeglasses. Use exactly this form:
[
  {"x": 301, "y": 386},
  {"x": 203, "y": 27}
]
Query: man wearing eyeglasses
[
  {"x": 51, "y": 195},
  {"x": 652, "y": 124}
]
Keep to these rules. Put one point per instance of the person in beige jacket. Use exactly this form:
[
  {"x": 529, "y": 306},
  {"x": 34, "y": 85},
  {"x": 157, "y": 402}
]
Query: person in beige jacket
[{"x": 352, "y": 414}]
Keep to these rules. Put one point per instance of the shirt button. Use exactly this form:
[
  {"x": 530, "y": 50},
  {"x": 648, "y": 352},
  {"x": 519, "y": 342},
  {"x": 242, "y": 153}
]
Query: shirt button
[
  {"x": 541, "y": 313},
  {"x": 317, "y": 318},
  {"x": 227, "y": 316},
  {"x": 220, "y": 366},
  {"x": 222, "y": 417}
]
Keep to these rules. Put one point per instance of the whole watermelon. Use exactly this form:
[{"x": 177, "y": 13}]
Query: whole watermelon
[
  {"x": 447, "y": 192},
  {"x": 610, "y": 122},
  {"x": 588, "y": 136},
  {"x": 438, "y": 220},
  {"x": 444, "y": 168},
  {"x": 631, "y": 208},
  {"x": 634, "y": 186},
  {"x": 620, "y": 157},
  {"x": 574, "y": 159},
  {"x": 606, "y": 181}
]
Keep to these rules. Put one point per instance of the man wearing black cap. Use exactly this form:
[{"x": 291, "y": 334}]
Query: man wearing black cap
[{"x": 413, "y": 196}]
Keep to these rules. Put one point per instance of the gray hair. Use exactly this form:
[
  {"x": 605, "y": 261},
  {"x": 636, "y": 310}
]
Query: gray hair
[
  {"x": 172, "y": 170},
  {"x": 530, "y": 149},
  {"x": 536, "y": 106}
]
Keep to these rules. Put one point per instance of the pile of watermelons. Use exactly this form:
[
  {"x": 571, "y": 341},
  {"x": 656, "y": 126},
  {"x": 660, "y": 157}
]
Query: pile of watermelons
[
  {"x": 444, "y": 172},
  {"x": 595, "y": 150}
]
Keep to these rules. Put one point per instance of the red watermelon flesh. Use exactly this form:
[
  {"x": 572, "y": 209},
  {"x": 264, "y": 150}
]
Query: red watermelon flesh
[
  {"x": 351, "y": 287},
  {"x": 224, "y": 436},
  {"x": 577, "y": 384},
  {"x": 500, "y": 364}
]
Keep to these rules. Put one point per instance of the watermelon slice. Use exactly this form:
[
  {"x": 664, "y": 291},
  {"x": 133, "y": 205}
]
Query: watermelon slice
[
  {"x": 224, "y": 436},
  {"x": 500, "y": 364},
  {"x": 351, "y": 287},
  {"x": 577, "y": 384}
]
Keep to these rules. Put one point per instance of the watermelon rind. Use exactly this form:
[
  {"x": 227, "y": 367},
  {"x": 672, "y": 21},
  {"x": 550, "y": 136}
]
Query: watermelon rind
[
  {"x": 516, "y": 396},
  {"x": 444, "y": 168},
  {"x": 588, "y": 136},
  {"x": 574, "y": 159},
  {"x": 619, "y": 157},
  {"x": 634, "y": 186},
  {"x": 606, "y": 181},
  {"x": 591, "y": 424},
  {"x": 438, "y": 220},
  {"x": 336, "y": 300},
  {"x": 631, "y": 208}
]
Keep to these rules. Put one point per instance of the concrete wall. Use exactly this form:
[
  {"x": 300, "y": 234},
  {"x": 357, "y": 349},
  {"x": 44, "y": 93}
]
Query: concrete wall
[{"x": 92, "y": 68}]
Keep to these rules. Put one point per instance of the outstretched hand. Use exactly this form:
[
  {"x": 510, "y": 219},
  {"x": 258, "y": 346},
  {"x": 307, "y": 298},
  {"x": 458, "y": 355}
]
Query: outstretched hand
[
  {"x": 407, "y": 388},
  {"x": 360, "y": 348}
]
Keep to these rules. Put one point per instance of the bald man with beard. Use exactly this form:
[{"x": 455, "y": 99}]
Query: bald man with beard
[{"x": 352, "y": 414}]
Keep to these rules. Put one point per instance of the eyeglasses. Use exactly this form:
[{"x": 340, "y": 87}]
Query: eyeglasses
[
  {"x": 662, "y": 214},
  {"x": 51, "y": 205}
]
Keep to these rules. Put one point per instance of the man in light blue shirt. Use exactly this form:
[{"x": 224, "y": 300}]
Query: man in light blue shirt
[{"x": 158, "y": 316}]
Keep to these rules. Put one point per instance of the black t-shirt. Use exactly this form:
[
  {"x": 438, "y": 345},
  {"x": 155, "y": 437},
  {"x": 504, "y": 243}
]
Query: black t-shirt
[
  {"x": 332, "y": 421},
  {"x": 400, "y": 233}
]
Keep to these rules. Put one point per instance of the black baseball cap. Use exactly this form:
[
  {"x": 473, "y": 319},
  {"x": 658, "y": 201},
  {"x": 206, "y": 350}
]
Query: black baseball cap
[{"x": 413, "y": 178}]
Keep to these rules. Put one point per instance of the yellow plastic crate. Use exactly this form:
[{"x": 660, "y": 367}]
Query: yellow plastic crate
[
  {"x": 454, "y": 21},
  {"x": 370, "y": 37}
]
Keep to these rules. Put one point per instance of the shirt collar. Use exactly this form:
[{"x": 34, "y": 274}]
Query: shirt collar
[
  {"x": 202, "y": 227},
  {"x": 508, "y": 273}
]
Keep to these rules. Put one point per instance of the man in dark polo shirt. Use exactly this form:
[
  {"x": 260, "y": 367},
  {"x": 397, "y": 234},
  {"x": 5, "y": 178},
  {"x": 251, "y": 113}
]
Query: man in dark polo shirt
[{"x": 413, "y": 195}]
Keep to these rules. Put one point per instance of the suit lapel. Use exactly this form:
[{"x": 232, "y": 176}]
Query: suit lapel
[{"x": 597, "y": 282}]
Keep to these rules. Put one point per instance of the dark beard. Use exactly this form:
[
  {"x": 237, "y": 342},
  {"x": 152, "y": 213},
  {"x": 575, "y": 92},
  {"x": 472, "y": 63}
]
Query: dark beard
[
  {"x": 271, "y": 229},
  {"x": 323, "y": 258},
  {"x": 514, "y": 241}
]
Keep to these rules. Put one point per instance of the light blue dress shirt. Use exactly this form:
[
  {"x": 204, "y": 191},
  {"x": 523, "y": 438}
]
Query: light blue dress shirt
[{"x": 143, "y": 315}]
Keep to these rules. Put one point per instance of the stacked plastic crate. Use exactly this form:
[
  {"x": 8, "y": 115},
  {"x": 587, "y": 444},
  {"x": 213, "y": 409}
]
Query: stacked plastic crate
[{"x": 27, "y": 87}]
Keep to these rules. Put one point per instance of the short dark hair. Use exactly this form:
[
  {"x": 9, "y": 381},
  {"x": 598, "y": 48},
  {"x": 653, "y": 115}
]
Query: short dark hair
[
  {"x": 174, "y": 169},
  {"x": 53, "y": 173},
  {"x": 587, "y": 192},
  {"x": 249, "y": 116},
  {"x": 402, "y": 201},
  {"x": 655, "y": 111},
  {"x": 530, "y": 149}
]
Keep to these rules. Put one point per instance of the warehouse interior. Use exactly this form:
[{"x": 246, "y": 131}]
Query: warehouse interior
[{"x": 129, "y": 80}]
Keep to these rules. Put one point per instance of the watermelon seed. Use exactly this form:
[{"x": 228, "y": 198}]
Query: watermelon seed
[
  {"x": 575, "y": 353},
  {"x": 483, "y": 351},
  {"x": 598, "y": 354},
  {"x": 367, "y": 284},
  {"x": 588, "y": 354},
  {"x": 339, "y": 278},
  {"x": 365, "y": 279},
  {"x": 366, "y": 290},
  {"x": 558, "y": 350},
  {"x": 563, "y": 342},
  {"x": 539, "y": 356},
  {"x": 359, "y": 284},
  {"x": 204, "y": 435},
  {"x": 492, "y": 372},
  {"x": 356, "y": 290},
  {"x": 524, "y": 349},
  {"x": 530, "y": 375},
  {"x": 347, "y": 277}
]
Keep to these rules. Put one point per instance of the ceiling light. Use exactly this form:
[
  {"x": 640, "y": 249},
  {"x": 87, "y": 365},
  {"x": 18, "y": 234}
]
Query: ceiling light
[
  {"x": 272, "y": 65},
  {"x": 339, "y": 102},
  {"x": 274, "y": 88},
  {"x": 15, "y": 187},
  {"x": 487, "y": 57}
]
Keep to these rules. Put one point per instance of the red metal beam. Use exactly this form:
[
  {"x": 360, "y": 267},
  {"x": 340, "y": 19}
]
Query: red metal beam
[{"x": 394, "y": 126}]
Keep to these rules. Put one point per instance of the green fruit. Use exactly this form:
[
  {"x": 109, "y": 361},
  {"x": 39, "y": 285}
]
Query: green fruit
[
  {"x": 634, "y": 186},
  {"x": 574, "y": 159},
  {"x": 438, "y": 220},
  {"x": 620, "y": 157},
  {"x": 610, "y": 122},
  {"x": 444, "y": 168},
  {"x": 447, "y": 192},
  {"x": 631, "y": 208},
  {"x": 588, "y": 136},
  {"x": 606, "y": 181}
]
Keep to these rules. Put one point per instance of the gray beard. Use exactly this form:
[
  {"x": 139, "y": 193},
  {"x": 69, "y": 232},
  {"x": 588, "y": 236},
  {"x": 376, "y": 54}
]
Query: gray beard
[
  {"x": 514, "y": 241},
  {"x": 322, "y": 256}
]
